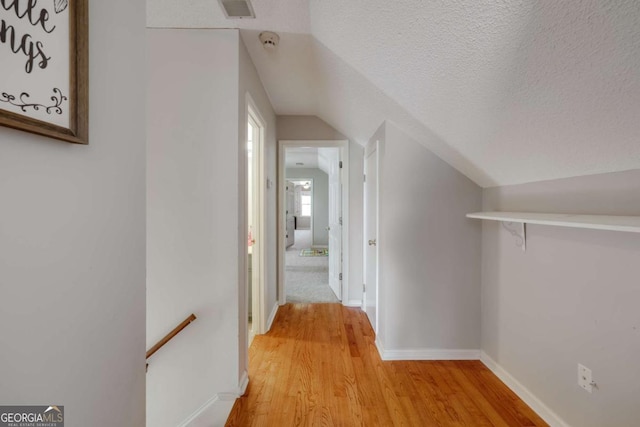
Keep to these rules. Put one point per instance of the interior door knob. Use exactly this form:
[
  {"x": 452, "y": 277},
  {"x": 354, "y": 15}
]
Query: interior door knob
[{"x": 372, "y": 242}]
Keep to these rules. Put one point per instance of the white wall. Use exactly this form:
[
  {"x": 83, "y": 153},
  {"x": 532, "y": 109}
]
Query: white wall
[
  {"x": 312, "y": 128},
  {"x": 193, "y": 219},
  {"x": 296, "y": 128},
  {"x": 429, "y": 253},
  {"x": 571, "y": 298},
  {"x": 320, "y": 202},
  {"x": 249, "y": 83},
  {"x": 72, "y": 244}
]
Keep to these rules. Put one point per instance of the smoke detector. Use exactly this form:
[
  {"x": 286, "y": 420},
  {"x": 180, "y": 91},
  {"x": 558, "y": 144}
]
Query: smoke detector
[
  {"x": 237, "y": 9},
  {"x": 269, "y": 40}
]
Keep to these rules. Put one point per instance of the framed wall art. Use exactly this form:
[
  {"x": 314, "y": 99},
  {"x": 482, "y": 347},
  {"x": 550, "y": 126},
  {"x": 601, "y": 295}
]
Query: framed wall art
[{"x": 44, "y": 68}]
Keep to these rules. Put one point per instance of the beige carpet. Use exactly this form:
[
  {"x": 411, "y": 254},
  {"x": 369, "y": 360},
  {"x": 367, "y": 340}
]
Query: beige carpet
[{"x": 306, "y": 278}]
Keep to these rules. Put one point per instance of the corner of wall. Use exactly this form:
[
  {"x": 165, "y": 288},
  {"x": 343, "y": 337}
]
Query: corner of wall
[
  {"x": 272, "y": 316},
  {"x": 213, "y": 412},
  {"x": 523, "y": 392}
]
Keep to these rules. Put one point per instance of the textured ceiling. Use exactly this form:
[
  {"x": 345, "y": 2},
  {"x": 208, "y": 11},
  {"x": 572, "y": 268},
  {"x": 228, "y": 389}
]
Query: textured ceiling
[
  {"x": 330, "y": 88},
  {"x": 505, "y": 91},
  {"x": 308, "y": 156},
  {"x": 291, "y": 16}
]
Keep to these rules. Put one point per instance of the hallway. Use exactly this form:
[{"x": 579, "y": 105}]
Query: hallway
[{"x": 319, "y": 366}]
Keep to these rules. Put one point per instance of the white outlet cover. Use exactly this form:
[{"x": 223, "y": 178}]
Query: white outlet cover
[{"x": 585, "y": 378}]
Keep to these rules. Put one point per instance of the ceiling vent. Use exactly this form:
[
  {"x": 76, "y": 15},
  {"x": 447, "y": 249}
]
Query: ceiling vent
[{"x": 237, "y": 9}]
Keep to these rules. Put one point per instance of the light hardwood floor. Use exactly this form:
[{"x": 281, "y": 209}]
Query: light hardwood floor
[{"x": 318, "y": 366}]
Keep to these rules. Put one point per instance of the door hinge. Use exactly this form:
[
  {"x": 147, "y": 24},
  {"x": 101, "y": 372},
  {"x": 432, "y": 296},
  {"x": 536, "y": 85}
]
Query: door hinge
[
  {"x": 340, "y": 164},
  {"x": 340, "y": 276},
  {"x": 364, "y": 288},
  {"x": 340, "y": 220},
  {"x": 365, "y": 178}
]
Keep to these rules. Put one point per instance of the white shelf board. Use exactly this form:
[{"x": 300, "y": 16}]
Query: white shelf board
[{"x": 629, "y": 224}]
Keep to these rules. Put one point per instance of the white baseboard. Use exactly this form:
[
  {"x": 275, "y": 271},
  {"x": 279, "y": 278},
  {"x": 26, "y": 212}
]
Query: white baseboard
[
  {"x": 242, "y": 386},
  {"x": 379, "y": 347},
  {"x": 523, "y": 393},
  {"x": 272, "y": 316},
  {"x": 426, "y": 353},
  {"x": 213, "y": 413},
  {"x": 353, "y": 303}
]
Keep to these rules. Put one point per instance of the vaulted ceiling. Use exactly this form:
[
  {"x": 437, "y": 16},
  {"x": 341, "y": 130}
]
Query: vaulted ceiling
[{"x": 505, "y": 91}]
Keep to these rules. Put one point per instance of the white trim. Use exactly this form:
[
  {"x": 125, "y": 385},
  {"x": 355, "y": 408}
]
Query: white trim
[
  {"x": 523, "y": 393},
  {"x": 353, "y": 303},
  {"x": 242, "y": 385},
  {"x": 370, "y": 149},
  {"x": 252, "y": 335},
  {"x": 258, "y": 309},
  {"x": 272, "y": 316},
  {"x": 282, "y": 145},
  {"x": 380, "y": 347},
  {"x": 228, "y": 397},
  {"x": 208, "y": 405},
  {"x": 426, "y": 353},
  {"x": 213, "y": 412},
  {"x": 345, "y": 158},
  {"x": 251, "y": 113},
  {"x": 431, "y": 354}
]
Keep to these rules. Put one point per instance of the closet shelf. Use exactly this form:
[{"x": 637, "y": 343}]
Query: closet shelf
[{"x": 629, "y": 224}]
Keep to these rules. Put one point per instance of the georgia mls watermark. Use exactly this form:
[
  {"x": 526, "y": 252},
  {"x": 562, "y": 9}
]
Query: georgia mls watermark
[{"x": 32, "y": 416}]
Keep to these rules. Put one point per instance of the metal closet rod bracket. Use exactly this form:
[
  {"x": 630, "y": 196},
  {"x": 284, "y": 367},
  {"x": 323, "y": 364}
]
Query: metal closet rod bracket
[{"x": 519, "y": 231}]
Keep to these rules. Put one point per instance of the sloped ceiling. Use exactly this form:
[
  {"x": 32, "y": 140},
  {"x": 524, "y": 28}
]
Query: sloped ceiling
[
  {"x": 308, "y": 156},
  {"x": 505, "y": 91}
]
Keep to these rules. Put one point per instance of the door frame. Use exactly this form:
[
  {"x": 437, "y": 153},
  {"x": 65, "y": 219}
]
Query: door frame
[
  {"x": 312, "y": 203},
  {"x": 259, "y": 267},
  {"x": 344, "y": 156},
  {"x": 372, "y": 148}
]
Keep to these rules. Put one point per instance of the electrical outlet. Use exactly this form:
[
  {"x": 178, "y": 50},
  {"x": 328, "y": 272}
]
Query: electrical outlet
[{"x": 585, "y": 380}]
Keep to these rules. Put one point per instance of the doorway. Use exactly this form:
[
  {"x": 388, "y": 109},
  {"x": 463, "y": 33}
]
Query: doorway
[
  {"x": 300, "y": 208},
  {"x": 255, "y": 231},
  {"x": 306, "y": 254},
  {"x": 312, "y": 261},
  {"x": 300, "y": 211}
]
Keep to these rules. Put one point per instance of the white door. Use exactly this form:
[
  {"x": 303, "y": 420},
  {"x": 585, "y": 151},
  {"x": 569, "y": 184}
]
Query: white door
[
  {"x": 255, "y": 223},
  {"x": 370, "y": 296},
  {"x": 290, "y": 221},
  {"x": 335, "y": 221}
]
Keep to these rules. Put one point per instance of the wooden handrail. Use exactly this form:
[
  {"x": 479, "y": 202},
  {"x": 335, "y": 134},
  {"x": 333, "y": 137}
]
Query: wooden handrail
[{"x": 170, "y": 335}]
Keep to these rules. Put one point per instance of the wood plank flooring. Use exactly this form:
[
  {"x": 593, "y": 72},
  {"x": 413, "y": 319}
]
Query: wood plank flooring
[{"x": 318, "y": 366}]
